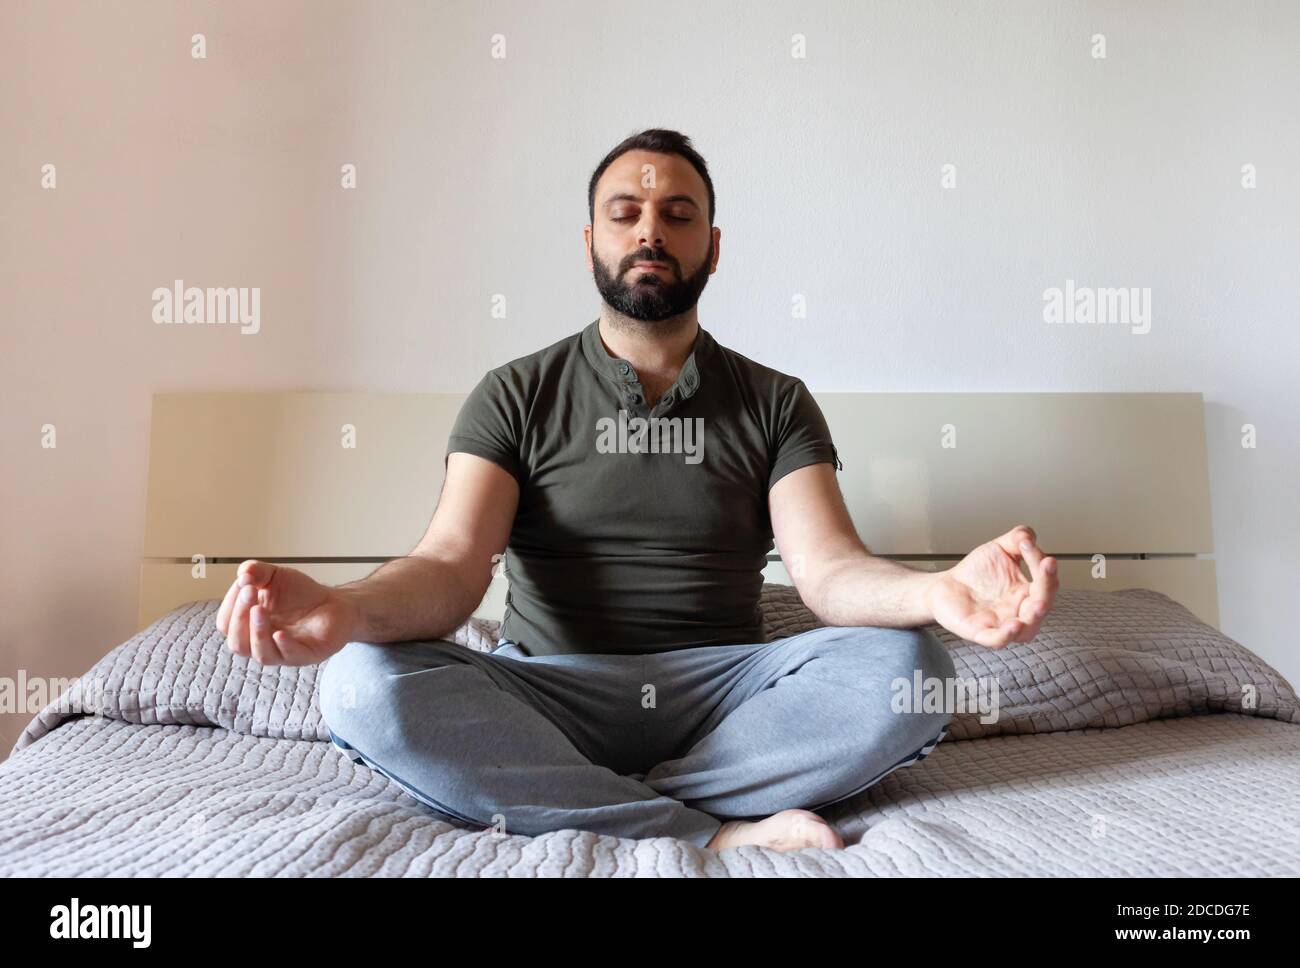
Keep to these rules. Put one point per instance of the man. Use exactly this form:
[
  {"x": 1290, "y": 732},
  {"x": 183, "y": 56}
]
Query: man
[{"x": 635, "y": 475}]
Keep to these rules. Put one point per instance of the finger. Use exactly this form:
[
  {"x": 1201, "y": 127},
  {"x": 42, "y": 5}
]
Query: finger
[
  {"x": 993, "y": 638},
  {"x": 1042, "y": 593},
  {"x": 1032, "y": 554},
  {"x": 1052, "y": 583},
  {"x": 1013, "y": 628},
  {"x": 254, "y": 572},
  {"x": 1010, "y": 605},
  {"x": 1028, "y": 632},
  {"x": 227, "y": 606},
  {"x": 294, "y": 652},
  {"x": 977, "y": 622},
  {"x": 987, "y": 628},
  {"x": 1042, "y": 590},
  {"x": 1028, "y": 608},
  {"x": 1010, "y": 542},
  {"x": 1032, "y": 608},
  {"x": 265, "y": 650},
  {"x": 1034, "y": 559},
  {"x": 237, "y": 637}
]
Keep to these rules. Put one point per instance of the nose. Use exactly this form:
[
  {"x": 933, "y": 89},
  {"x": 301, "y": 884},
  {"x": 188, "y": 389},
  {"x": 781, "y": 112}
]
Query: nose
[{"x": 650, "y": 232}]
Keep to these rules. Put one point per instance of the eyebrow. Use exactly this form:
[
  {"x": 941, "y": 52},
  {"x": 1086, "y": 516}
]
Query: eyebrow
[{"x": 629, "y": 197}]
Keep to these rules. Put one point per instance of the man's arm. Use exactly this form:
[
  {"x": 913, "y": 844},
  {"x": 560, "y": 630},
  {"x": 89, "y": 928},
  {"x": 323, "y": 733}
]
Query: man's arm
[
  {"x": 839, "y": 580},
  {"x": 984, "y": 598},
  {"x": 432, "y": 591}
]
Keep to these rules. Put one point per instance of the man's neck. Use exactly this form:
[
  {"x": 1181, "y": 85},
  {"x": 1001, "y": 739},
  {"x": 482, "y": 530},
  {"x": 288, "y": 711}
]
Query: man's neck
[{"x": 657, "y": 351}]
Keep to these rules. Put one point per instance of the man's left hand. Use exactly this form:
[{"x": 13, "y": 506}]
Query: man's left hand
[{"x": 985, "y": 599}]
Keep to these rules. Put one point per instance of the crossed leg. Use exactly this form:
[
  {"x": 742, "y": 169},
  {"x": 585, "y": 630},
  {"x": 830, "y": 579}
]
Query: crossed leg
[
  {"x": 543, "y": 743},
  {"x": 800, "y": 724}
]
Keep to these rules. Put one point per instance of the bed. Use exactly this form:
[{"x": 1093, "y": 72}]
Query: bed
[{"x": 1133, "y": 738}]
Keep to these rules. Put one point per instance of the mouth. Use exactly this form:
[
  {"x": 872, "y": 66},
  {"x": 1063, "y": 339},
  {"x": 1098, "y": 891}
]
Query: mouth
[{"x": 650, "y": 265}]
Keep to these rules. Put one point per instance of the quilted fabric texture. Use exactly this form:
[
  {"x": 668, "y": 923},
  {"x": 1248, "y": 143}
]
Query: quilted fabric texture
[
  {"x": 1100, "y": 659},
  {"x": 1198, "y": 796}
]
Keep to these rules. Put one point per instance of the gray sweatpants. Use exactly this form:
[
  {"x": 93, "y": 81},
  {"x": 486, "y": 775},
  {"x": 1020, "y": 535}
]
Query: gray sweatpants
[{"x": 659, "y": 745}]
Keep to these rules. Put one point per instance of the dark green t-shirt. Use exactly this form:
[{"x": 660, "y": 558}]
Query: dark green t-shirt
[{"x": 638, "y": 535}]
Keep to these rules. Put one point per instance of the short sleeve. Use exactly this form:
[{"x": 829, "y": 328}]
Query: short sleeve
[
  {"x": 802, "y": 436},
  {"x": 489, "y": 426}
]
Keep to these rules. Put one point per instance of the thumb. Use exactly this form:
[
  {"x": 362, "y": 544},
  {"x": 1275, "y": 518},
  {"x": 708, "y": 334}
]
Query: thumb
[{"x": 254, "y": 572}]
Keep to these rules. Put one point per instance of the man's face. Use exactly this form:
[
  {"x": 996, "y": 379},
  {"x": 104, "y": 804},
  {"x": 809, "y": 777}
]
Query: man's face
[{"x": 651, "y": 208}]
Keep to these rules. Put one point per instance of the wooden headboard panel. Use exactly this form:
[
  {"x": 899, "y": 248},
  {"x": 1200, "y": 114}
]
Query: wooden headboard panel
[{"x": 337, "y": 483}]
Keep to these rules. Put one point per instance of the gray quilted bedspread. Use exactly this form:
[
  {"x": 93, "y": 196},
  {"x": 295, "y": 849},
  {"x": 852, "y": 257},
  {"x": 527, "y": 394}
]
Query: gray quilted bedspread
[{"x": 1132, "y": 740}]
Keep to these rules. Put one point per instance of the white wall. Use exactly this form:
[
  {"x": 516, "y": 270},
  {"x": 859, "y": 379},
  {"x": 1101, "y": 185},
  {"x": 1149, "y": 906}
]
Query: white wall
[{"x": 472, "y": 181}]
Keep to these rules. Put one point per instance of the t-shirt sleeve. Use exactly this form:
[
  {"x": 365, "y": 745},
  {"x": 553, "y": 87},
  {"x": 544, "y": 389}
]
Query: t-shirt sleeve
[
  {"x": 802, "y": 436},
  {"x": 489, "y": 425}
]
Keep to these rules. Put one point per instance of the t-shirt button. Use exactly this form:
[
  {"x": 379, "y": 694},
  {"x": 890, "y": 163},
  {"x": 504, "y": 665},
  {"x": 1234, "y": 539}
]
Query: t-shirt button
[{"x": 624, "y": 369}]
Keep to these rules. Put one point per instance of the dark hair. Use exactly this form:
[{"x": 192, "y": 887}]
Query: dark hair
[{"x": 663, "y": 141}]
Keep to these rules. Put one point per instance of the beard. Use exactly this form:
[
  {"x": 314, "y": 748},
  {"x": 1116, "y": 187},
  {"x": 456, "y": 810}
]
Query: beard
[{"x": 643, "y": 295}]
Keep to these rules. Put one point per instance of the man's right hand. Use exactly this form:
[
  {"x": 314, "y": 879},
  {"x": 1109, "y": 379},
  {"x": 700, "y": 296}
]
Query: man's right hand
[{"x": 280, "y": 616}]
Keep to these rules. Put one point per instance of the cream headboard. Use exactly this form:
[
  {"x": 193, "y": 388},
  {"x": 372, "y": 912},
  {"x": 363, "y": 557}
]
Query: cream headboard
[{"x": 337, "y": 483}]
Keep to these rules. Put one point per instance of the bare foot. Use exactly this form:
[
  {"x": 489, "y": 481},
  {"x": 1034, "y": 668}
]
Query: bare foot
[{"x": 787, "y": 830}]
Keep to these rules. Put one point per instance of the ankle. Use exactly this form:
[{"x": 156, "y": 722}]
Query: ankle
[{"x": 723, "y": 834}]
